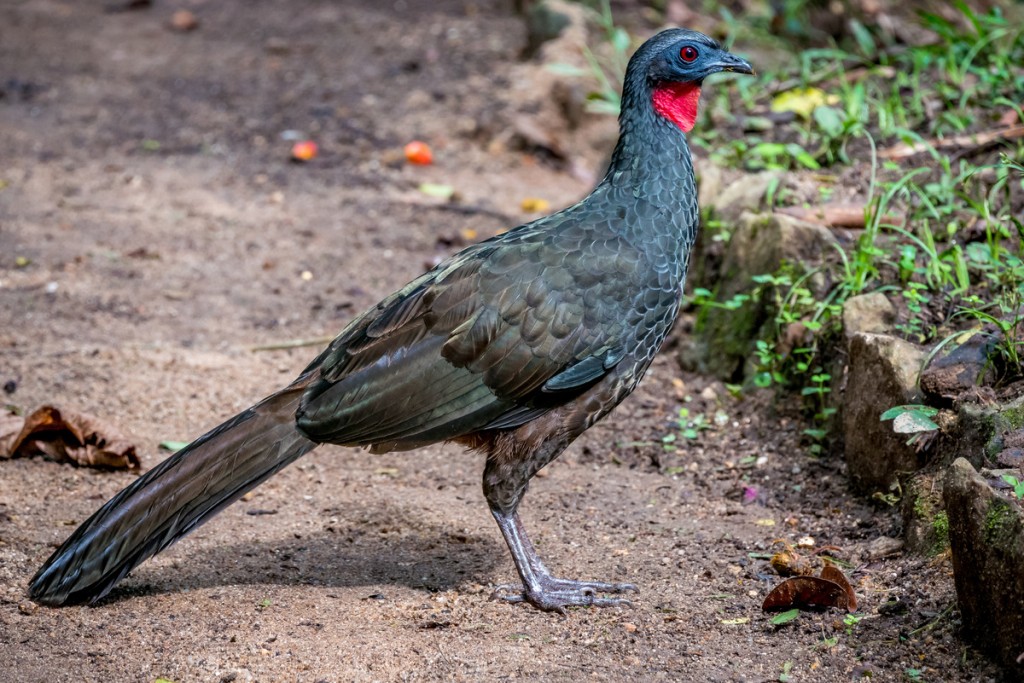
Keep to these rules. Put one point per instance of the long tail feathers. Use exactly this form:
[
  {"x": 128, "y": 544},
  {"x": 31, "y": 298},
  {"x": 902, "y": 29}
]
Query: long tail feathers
[{"x": 172, "y": 499}]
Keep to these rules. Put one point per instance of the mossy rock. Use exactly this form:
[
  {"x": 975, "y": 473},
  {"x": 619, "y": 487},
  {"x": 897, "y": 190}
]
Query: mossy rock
[
  {"x": 925, "y": 522},
  {"x": 986, "y": 535},
  {"x": 983, "y": 432},
  {"x": 760, "y": 244}
]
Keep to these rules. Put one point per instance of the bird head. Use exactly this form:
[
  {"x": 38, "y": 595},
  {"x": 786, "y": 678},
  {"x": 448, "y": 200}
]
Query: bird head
[{"x": 674, "y": 64}]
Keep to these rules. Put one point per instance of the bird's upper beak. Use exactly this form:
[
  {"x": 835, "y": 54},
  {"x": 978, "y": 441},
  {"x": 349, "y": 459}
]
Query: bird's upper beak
[{"x": 730, "y": 62}]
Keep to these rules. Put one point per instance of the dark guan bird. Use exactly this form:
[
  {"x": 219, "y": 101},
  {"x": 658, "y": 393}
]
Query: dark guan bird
[{"x": 513, "y": 347}]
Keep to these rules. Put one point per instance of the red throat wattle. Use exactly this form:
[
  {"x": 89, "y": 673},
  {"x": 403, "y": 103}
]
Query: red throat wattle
[{"x": 677, "y": 102}]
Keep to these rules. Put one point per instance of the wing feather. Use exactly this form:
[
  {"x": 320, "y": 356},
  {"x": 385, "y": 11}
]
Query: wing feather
[{"x": 490, "y": 339}]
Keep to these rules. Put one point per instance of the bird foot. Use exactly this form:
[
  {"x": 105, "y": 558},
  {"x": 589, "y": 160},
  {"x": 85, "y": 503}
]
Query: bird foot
[{"x": 554, "y": 595}]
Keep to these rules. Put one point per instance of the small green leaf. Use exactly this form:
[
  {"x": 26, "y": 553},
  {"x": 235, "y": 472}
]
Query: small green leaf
[
  {"x": 173, "y": 446},
  {"x": 785, "y": 617},
  {"x": 437, "y": 190},
  {"x": 927, "y": 411},
  {"x": 829, "y": 120},
  {"x": 913, "y": 422}
]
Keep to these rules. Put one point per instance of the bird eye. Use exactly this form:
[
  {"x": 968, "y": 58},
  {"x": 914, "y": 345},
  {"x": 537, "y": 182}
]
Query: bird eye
[{"x": 688, "y": 53}]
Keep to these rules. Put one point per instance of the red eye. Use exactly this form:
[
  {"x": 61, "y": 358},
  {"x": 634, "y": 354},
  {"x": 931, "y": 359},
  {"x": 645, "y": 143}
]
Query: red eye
[{"x": 688, "y": 54}]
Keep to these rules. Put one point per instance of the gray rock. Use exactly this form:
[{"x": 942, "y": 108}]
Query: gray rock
[
  {"x": 544, "y": 22},
  {"x": 881, "y": 373},
  {"x": 760, "y": 244},
  {"x": 868, "y": 313},
  {"x": 743, "y": 195},
  {"x": 710, "y": 181},
  {"x": 986, "y": 534},
  {"x": 883, "y": 547},
  {"x": 960, "y": 368}
]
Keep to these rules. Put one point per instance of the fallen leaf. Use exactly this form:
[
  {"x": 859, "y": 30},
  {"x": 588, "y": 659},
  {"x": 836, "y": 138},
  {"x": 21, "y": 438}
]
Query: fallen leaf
[
  {"x": 534, "y": 205},
  {"x": 806, "y": 592},
  {"x": 1009, "y": 118},
  {"x": 833, "y": 573},
  {"x": 735, "y": 622},
  {"x": 64, "y": 435},
  {"x": 802, "y": 101},
  {"x": 173, "y": 446},
  {"x": 789, "y": 563},
  {"x": 765, "y": 522},
  {"x": 785, "y": 617},
  {"x": 437, "y": 190}
]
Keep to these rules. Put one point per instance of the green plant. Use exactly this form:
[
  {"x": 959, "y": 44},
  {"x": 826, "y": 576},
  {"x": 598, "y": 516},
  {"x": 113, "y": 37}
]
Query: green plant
[
  {"x": 606, "y": 69},
  {"x": 851, "y": 621},
  {"x": 818, "y": 392},
  {"x": 687, "y": 427},
  {"x": 924, "y": 209},
  {"x": 911, "y": 419},
  {"x": 1016, "y": 484}
]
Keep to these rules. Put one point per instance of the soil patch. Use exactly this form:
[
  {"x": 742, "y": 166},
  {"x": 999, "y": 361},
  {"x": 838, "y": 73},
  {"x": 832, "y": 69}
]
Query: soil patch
[{"x": 152, "y": 230}]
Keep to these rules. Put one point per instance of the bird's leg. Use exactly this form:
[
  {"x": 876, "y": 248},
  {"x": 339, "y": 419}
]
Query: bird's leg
[
  {"x": 540, "y": 588},
  {"x": 509, "y": 468}
]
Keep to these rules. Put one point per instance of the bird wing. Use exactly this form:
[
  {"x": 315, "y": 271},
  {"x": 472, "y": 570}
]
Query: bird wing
[{"x": 490, "y": 339}]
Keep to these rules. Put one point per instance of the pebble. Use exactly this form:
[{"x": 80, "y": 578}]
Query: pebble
[
  {"x": 184, "y": 21},
  {"x": 883, "y": 546}
]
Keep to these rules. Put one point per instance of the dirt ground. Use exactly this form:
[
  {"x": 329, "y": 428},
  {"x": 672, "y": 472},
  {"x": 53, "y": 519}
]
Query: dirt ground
[{"x": 152, "y": 231}]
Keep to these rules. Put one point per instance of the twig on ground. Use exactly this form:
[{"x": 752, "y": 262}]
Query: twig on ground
[{"x": 293, "y": 344}]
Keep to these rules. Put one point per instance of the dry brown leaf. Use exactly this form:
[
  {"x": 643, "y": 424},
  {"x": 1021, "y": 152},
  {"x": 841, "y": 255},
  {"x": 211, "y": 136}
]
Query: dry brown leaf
[
  {"x": 789, "y": 563},
  {"x": 64, "y": 435},
  {"x": 830, "y": 572},
  {"x": 805, "y": 592},
  {"x": 1009, "y": 118}
]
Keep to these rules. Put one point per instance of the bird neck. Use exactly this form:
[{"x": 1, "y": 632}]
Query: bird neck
[
  {"x": 652, "y": 126},
  {"x": 650, "y": 182},
  {"x": 652, "y": 160}
]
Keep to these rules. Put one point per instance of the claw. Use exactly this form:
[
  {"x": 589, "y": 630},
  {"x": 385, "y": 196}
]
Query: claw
[{"x": 554, "y": 595}]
